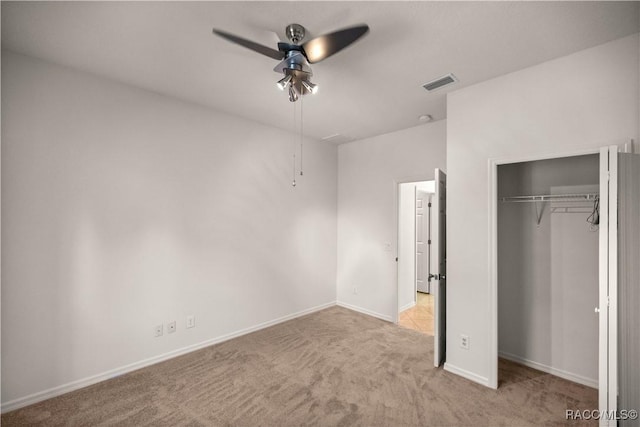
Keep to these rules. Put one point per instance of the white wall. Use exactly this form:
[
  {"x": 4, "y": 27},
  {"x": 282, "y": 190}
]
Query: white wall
[
  {"x": 582, "y": 101},
  {"x": 406, "y": 246},
  {"x": 123, "y": 209},
  {"x": 548, "y": 273},
  {"x": 367, "y": 220}
]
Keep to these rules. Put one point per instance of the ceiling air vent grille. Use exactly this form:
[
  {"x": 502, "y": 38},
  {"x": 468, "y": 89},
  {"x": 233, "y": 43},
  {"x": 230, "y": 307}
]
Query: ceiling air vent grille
[
  {"x": 338, "y": 139},
  {"x": 440, "y": 82}
]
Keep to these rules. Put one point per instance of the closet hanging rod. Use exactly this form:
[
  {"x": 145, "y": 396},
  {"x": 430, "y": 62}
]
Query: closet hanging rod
[{"x": 551, "y": 198}]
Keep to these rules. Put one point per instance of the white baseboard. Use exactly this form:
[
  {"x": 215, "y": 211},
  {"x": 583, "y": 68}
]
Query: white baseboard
[
  {"x": 589, "y": 382},
  {"x": 407, "y": 306},
  {"x": 365, "y": 311},
  {"x": 84, "y": 382},
  {"x": 467, "y": 374}
]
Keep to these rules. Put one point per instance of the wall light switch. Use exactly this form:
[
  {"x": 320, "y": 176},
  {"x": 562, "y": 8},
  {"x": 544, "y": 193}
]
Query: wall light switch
[{"x": 191, "y": 321}]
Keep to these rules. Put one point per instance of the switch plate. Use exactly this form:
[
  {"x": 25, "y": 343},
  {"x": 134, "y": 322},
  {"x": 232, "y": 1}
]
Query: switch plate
[{"x": 191, "y": 321}]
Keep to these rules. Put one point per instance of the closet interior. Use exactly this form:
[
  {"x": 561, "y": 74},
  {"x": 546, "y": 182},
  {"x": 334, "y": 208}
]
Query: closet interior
[{"x": 548, "y": 219}]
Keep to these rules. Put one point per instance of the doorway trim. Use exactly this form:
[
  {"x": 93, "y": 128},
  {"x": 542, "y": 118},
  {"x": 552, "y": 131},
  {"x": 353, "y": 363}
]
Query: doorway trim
[
  {"x": 396, "y": 230},
  {"x": 493, "y": 164}
]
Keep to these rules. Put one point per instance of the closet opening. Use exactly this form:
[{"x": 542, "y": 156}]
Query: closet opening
[{"x": 547, "y": 272}]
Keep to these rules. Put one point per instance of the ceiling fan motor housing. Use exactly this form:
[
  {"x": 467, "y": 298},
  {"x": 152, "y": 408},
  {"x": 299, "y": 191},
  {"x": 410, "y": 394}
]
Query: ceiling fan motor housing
[{"x": 295, "y": 33}]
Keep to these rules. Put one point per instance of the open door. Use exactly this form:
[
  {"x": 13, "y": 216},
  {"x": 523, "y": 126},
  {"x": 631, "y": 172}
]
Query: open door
[
  {"x": 619, "y": 343},
  {"x": 439, "y": 264},
  {"x": 628, "y": 291},
  {"x": 608, "y": 284},
  {"x": 422, "y": 239}
]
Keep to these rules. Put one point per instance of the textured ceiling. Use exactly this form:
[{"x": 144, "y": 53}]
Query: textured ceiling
[{"x": 371, "y": 88}]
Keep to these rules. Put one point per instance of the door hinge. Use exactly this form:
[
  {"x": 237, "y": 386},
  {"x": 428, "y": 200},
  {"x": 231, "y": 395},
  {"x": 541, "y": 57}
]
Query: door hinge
[
  {"x": 429, "y": 242},
  {"x": 429, "y": 205}
]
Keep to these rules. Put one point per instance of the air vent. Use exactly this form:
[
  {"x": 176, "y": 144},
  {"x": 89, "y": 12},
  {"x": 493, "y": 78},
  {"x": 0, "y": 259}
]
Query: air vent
[
  {"x": 338, "y": 139},
  {"x": 440, "y": 82}
]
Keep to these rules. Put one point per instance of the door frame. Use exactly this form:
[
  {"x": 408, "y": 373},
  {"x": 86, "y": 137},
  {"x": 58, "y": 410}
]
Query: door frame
[
  {"x": 396, "y": 231},
  {"x": 493, "y": 243}
]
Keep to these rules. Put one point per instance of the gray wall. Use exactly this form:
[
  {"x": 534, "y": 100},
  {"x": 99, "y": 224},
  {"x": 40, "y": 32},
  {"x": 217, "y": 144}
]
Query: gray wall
[
  {"x": 579, "y": 102},
  {"x": 406, "y": 245},
  {"x": 548, "y": 274},
  {"x": 123, "y": 209},
  {"x": 368, "y": 173}
]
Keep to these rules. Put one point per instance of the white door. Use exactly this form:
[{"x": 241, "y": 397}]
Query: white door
[
  {"x": 607, "y": 279},
  {"x": 628, "y": 368},
  {"x": 422, "y": 238},
  {"x": 618, "y": 370},
  {"x": 439, "y": 265}
]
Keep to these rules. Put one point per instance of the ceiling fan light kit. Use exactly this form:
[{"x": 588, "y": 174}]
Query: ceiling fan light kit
[
  {"x": 296, "y": 55},
  {"x": 295, "y": 58}
]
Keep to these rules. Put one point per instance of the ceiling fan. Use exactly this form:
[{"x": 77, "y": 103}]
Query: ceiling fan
[{"x": 296, "y": 56}]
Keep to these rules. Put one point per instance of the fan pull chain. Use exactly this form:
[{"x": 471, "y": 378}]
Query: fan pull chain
[
  {"x": 301, "y": 134},
  {"x": 294, "y": 144}
]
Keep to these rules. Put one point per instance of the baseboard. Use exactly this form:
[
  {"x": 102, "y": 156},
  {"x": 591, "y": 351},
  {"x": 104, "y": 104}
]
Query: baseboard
[
  {"x": 407, "y": 306},
  {"x": 589, "y": 382},
  {"x": 365, "y": 311},
  {"x": 467, "y": 374},
  {"x": 75, "y": 385}
]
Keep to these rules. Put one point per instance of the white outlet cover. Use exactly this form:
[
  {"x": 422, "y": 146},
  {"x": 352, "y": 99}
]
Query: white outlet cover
[
  {"x": 158, "y": 330},
  {"x": 171, "y": 327},
  {"x": 464, "y": 341}
]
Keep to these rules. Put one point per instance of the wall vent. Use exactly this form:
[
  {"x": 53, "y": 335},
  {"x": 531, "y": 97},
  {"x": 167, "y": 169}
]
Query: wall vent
[
  {"x": 440, "y": 82},
  {"x": 338, "y": 139}
]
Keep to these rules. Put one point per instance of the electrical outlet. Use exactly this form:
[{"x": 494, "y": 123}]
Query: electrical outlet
[
  {"x": 464, "y": 341},
  {"x": 191, "y": 321},
  {"x": 171, "y": 327},
  {"x": 158, "y": 330}
]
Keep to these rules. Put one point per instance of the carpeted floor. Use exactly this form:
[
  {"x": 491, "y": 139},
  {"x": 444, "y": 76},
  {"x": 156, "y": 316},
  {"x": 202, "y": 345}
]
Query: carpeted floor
[{"x": 335, "y": 367}]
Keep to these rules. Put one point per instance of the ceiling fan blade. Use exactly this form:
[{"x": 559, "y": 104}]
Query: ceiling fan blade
[
  {"x": 324, "y": 46},
  {"x": 256, "y": 47}
]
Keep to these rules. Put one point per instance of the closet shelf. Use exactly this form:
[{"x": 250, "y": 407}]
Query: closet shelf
[{"x": 550, "y": 198}]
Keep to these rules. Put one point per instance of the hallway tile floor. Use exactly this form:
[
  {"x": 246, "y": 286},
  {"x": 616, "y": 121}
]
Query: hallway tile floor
[{"x": 420, "y": 316}]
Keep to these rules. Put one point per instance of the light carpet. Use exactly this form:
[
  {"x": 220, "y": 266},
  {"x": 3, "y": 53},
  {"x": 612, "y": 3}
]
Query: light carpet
[{"x": 335, "y": 367}]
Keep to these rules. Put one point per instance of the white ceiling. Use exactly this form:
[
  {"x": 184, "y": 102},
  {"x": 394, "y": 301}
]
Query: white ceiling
[{"x": 371, "y": 88}]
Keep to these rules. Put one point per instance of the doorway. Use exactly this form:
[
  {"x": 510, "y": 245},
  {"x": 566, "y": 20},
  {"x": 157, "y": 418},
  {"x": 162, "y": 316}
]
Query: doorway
[
  {"x": 415, "y": 301},
  {"x": 548, "y": 234},
  {"x": 436, "y": 265},
  {"x": 618, "y": 219}
]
